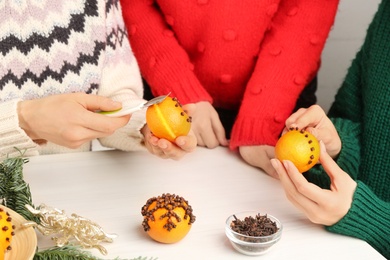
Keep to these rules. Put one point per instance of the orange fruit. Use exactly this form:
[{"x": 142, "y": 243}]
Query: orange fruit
[
  {"x": 6, "y": 229},
  {"x": 300, "y": 147},
  {"x": 168, "y": 120},
  {"x": 2, "y": 252},
  {"x": 167, "y": 218}
]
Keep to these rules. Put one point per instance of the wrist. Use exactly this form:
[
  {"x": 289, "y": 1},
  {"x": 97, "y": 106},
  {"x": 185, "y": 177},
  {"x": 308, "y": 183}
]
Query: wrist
[{"x": 24, "y": 111}]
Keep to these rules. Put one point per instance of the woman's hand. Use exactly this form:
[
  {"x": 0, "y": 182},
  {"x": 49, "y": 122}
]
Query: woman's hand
[
  {"x": 321, "y": 206},
  {"x": 167, "y": 150},
  {"x": 206, "y": 125},
  {"x": 315, "y": 121},
  {"x": 259, "y": 156},
  {"x": 69, "y": 119}
]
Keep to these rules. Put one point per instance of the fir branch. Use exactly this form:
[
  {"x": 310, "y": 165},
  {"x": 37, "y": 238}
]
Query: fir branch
[
  {"x": 72, "y": 252},
  {"x": 144, "y": 258},
  {"x": 14, "y": 191},
  {"x": 64, "y": 253}
]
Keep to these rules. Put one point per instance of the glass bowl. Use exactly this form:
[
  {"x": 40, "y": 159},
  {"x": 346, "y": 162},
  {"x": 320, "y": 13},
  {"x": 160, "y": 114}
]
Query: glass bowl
[{"x": 252, "y": 245}]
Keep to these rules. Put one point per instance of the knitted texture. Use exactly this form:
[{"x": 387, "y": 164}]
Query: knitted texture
[
  {"x": 52, "y": 47},
  {"x": 255, "y": 56},
  {"x": 361, "y": 115}
]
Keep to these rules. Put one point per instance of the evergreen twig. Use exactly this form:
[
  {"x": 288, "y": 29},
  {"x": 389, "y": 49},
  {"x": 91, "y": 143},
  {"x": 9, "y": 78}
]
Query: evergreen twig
[
  {"x": 69, "y": 252},
  {"x": 14, "y": 191},
  {"x": 72, "y": 252}
]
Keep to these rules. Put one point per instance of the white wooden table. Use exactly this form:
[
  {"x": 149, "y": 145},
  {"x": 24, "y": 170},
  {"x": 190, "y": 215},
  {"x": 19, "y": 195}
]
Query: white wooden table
[{"x": 110, "y": 187}]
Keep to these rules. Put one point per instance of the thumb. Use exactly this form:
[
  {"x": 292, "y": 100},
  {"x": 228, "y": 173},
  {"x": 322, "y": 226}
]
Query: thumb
[
  {"x": 95, "y": 102},
  {"x": 330, "y": 166}
]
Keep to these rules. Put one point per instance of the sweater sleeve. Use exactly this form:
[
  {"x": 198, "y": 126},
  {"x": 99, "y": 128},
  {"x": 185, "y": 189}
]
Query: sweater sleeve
[
  {"x": 367, "y": 219},
  {"x": 163, "y": 62},
  {"x": 121, "y": 81},
  {"x": 288, "y": 59},
  {"x": 13, "y": 139},
  {"x": 369, "y": 216}
]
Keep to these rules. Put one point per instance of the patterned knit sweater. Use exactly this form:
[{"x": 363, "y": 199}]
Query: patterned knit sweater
[
  {"x": 255, "y": 56},
  {"x": 52, "y": 46},
  {"x": 361, "y": 114}
]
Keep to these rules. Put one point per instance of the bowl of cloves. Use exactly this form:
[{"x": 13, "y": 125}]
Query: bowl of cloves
[{"x": 253, "y": 233}]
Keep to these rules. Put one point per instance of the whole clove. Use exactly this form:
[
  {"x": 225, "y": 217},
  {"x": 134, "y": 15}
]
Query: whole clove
[{"x": 258, "y": 226}]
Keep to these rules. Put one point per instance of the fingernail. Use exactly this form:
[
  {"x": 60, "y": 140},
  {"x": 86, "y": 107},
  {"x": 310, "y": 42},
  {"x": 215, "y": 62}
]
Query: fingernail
[
  {"x": 322, "y": 146},
  {"x": 274, "y": 163},
  {"x": 115, "y": 103},
  {"x": 180, "y": 142},
  {"x": 286, "y": 165}
]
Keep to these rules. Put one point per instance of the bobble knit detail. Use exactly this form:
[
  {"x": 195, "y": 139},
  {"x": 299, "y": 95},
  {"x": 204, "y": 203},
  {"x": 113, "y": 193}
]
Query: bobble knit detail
[
  {"x": 259, "y": 43},
  {"x": 271, "y": 10},
  {"x": 226, "y": 78},
  {"x": 229, "y": 35},
  {"x": 314, "y": 39},
  {"x": 256, "y": 90},
  {"x": 170, "y": 20},
  {"x": 201, "y": 47},
  {"x": 168, "y": 33},
  {"x": 299, "y": 80},
  {"x": 275, "y": 51},
  {"x": 293, "y": 11}
]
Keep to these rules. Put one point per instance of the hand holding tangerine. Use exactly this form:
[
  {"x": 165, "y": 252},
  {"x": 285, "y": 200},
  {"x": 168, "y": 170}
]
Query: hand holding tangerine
[
  {"x": 300, "y": 147},
  {"x": 168, "y": 120},
  {"x": 167, "y": 218}
]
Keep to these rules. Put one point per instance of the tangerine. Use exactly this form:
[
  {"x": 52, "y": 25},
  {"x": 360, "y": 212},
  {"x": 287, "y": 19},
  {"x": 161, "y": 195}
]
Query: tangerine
[
  {"x": 167, "y": 218},
  {"x": 2, "y": 253},
  {"x": 168, "y": 120},
  {"x": 300, "y": 147},
  {"x": 6, "y": 229}
]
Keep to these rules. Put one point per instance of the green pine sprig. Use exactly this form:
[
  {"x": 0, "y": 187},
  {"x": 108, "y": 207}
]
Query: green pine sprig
[
  {"x": 68, "y": 252},
  {"x": 72, "y": 252},
  {"x": 14, "y": 191}
]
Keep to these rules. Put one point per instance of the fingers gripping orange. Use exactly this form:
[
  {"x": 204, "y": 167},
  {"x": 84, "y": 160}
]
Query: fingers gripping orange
[
  {"x": 168, "y": 120},
  {"x": 300, "y": 147}
]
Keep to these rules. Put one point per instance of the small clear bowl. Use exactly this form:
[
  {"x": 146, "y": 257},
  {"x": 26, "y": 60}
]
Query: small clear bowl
[{"x": 250, "y": 245}]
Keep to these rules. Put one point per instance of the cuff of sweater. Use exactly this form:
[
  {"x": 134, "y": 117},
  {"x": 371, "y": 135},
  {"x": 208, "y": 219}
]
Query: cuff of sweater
[
  {"x": 254, "y": 131},
  {"x": 129, "y": 137},
  {"x": 182, "y": 84},
  {"x": 13, "y": 140},
  {"x": 367, "y": 219},
  {"x": 349, "y": 157}
]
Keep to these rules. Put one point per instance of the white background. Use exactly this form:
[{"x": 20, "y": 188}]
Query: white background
[{"x": 344, "y": 41}]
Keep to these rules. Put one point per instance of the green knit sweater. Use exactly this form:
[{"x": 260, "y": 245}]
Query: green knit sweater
[{"x": 361, "y": 114}]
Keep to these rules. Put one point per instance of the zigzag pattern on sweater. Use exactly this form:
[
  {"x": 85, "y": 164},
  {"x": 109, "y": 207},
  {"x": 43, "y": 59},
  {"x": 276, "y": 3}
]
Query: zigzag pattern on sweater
[
  {"x": 112, "y": 3},
  {"x": 70, "y": 41},
  {"x": 77, "y": 24},
  {"x": 49, "y": 73}
]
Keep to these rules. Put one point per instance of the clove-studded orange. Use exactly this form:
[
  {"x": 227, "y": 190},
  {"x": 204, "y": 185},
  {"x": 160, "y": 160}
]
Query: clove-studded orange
[
  {"x": 300, "y": 147},
  {"x": 6, "y": 229},
  {"x": 167, "y": 218},
  {"x": 168, "y": 120}
]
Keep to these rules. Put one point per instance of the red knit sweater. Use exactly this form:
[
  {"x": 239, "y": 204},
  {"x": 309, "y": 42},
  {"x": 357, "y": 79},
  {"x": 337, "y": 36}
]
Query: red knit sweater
[{"x": 255, "y": 56}]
